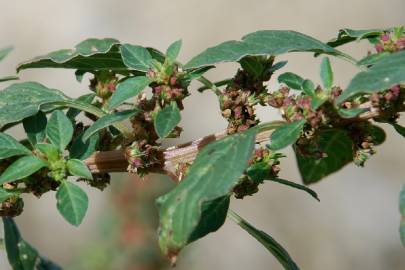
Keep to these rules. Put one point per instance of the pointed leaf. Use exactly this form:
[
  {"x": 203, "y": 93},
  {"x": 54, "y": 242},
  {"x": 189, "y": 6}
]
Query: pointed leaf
[
  {"x": 372, "y": 59},
  {"x": 326, "y": 73},
  {"x": 400, "y": 129},
  {"x": 59, "y": 130},
  {"x": 72, "y": 203},
  {"x": 351, "y": 113},
  {"x": 167, "y": 119},
  {"x": 136, "y": 57},
  {"x": 336, "y": 145},
  {"x": 22, "y": 168},
  {"x": 10, "y": 147},
  {"x": 127, "y": 89},
  {"x": 308, "y": 87},
  {"x": 35, "y": 127},
  {"x": 173, "y": 51},
  {"x": 108, "y": 120},
  {"x": 267, "y": 42},
  {"x": 297, "y": 186},
  {"x": 291, "y": 80},
  {"x": 182, "y": 209},
  {"x": 349, "y": 35},
  {"x": 286, "y": 135},
  {"x": 267, "y": 241},
  {"x": 78, "y": 168},
  {"x": 384, "y": 74}
]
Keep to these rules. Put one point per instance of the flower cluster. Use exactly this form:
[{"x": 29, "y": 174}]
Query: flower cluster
[
  {"x": 391, "y": 42},
  {"x": 264, "y": 165}
]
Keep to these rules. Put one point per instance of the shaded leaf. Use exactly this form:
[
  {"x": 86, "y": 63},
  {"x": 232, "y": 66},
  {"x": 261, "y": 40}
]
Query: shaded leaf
[
  {"x": 384, "y": 74},
  {"x": 136, "y": 57},
  {"x": 267, "y": 241},
  {"x": 88, "y": 98},
  {"x": 267, "y": 42},
  {"x": 167, "y": 119},
  {"x": 127, "y": 89},
  {"x": 337, "y": 148},
  {"x": 108, "y": 120},
  {"x": 182, "y": 209},
  {"x": 81, "y": 149},
  {"x": 72, "y": 203},
  {"x": 21, "y": 168},
  {"x": 308, "y": 87},
  {"x": 400, "y": 129},
  {"x": 292, "y": 80},
  {"x": 10, "y": 147},
  {"x": 286, "y": 135},
  {"x": 78, "y": 168},
  {"x": 6, "y": 194},
  {"x": 59, "y": 130},
  {"x": 35, "y": 127}
]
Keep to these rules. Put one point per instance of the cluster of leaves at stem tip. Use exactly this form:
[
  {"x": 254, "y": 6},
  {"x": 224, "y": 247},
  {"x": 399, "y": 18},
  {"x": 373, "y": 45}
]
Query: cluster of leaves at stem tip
[{"x": 136, "y": 97}]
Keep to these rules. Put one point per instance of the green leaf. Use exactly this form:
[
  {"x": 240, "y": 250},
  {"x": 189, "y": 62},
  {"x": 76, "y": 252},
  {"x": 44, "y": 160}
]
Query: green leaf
[
  {"x": 182, "y": 209},
  {"x": 136, "y": 57},
  {"x": 108, "y": 120},
  {"x": 78, "y": 168},
  {"x": 173, "y": 51},
  {"x": 59, "y": 130},
  {"x": 349, "y": 35},
  {"x": 5, "y": 51},
  {"x": 89, "y": 55},
  {"x": 34, "y": 127},
  {"x": 384, "y": 74},
  {"x": 336, "y": 145},
  {"x": 21, "y": 100},
  {"x": 372, "y": 59},
  {"x": 88, "y": 98},
  {"x": 292, "y": 80},
  {"x": 10, "y": 147},
  {"x": 6, "y": 194},
  {"x": 21, "y": 255},
  {"x": 127, "y": 89},
  {"x": 286, "y": 135},
  {"x": 402, "y": 211},
  {"x": 9, "y": 78},
  {"x": 400, "y": 129},
  {"x": 326, "y": 73},
  {"x": 81, "y": 149},
  {"x": 167, "y": 119},
  {"x": 267, "y": 241},
  {"x": 72, "y": 203},
  {"x": 268, "y": 42},
  {"x": 21, "y": 168},
  {"x": 297, "y": 186},
  {"x": 351, "y": 113},
  {"x": 309, "y": 88},
  {"x": 49, "y": 150}
]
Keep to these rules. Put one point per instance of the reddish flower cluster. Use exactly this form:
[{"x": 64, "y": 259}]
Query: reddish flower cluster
[{"x": 389, "y": 43}]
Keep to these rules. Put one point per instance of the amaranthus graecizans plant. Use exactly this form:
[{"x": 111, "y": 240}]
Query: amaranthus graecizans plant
[{"x": 135, "y": 102}]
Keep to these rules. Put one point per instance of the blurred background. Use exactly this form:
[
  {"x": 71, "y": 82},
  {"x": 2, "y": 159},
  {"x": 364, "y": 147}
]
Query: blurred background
[{"x": 355, "y": 226}]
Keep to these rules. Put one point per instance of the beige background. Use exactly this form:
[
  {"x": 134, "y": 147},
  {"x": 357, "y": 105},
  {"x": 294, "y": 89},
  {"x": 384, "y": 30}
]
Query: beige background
[{"x": 355, "y": 226}]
